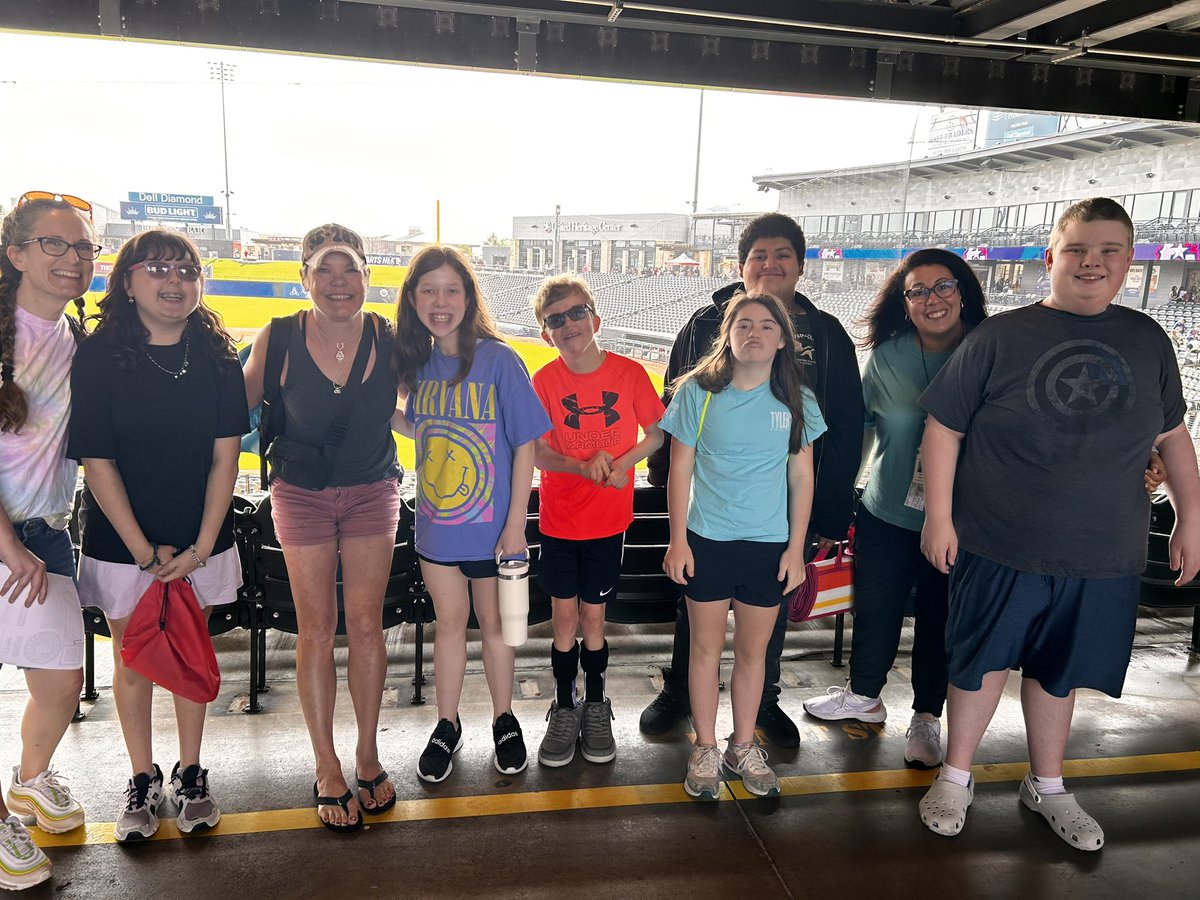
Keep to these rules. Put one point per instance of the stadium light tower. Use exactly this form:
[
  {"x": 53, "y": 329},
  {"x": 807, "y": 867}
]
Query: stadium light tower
[
  {"x": 557, "y": 213},
  {"x": 223, "y": 71}
]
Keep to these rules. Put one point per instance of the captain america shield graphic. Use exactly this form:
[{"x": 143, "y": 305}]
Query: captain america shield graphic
[{"x": 1078, "y": 380}]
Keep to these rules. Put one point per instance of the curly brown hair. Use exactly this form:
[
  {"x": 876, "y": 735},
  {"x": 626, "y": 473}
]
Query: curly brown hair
[{"x": 119, "y": 319}]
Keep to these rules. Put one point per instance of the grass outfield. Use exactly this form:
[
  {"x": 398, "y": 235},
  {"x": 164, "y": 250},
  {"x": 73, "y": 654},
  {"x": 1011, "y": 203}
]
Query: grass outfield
[{"x": 535, "y": 355}]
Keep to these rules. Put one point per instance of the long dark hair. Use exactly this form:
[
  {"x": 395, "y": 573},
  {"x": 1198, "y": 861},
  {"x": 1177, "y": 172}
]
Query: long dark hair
[
  {"x": 18, "y": 227},
  {"x": 887, "y": 316},
  {"x": 414, "y": 342},
  {"x": 714, "y": 371},
  {"x": 118, "y": 316}
]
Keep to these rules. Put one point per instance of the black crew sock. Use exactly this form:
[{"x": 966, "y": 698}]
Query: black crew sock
[
  {"x": 565, "y": 666},
  {"x": 594, "y": 664}
]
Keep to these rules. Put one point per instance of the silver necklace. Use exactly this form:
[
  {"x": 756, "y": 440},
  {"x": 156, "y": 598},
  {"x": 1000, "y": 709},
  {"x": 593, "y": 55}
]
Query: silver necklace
[
  {"x": 187, "y": 341},
  {"x": 338, "y": 346}
]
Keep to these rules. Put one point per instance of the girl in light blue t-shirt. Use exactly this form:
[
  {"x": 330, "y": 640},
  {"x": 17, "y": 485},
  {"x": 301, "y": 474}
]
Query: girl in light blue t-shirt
[{"x": 739, "y": 495}]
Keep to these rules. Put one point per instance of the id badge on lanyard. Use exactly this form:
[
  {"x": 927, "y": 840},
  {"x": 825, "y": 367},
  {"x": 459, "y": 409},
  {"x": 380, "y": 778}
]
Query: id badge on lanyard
[{"x": 915, "y": 498}]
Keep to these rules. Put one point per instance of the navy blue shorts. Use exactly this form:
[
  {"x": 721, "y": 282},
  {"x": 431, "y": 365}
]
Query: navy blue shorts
[
  {"x": 472, "y": 568},
  {"x": 743, "y": 570},
  {"x": 585, "y": 569},
  {"x": 1063, "y": 632}
]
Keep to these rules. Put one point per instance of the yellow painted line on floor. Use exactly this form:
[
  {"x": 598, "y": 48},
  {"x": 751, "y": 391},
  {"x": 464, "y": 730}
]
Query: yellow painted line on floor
[{"x": 625, "y": 796}]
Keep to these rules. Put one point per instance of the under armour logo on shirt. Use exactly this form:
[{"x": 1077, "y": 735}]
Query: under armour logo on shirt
[{"x": 608, "y": 408}]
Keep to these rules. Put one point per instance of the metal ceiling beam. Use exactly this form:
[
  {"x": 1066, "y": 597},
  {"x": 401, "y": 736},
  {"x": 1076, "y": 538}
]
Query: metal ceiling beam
[
  {"x": 1001, "y": 19},
  {"x": 1114, "y": 21}
]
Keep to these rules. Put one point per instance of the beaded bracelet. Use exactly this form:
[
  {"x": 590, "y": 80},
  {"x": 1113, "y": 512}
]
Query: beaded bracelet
[
  {"x": 153, "y": 561},
  {"x": 195, "y": 558}
]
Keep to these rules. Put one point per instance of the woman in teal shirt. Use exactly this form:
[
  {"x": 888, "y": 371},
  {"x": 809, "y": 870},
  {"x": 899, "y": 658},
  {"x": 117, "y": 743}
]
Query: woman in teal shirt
[{"x": 918, "y": 319}]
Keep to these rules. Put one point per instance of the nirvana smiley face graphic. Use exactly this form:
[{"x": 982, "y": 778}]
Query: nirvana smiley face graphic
[{"x": 457, "y": 472}]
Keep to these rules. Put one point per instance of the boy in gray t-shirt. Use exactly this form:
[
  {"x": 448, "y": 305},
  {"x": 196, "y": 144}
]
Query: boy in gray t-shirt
[{"x": 1034, "y": 453}]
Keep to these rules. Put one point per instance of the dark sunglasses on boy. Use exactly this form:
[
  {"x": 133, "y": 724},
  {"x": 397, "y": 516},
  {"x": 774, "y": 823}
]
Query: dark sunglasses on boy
[
  {"x": 575, "y": 314},
  {"x": 160, "y": 269}
]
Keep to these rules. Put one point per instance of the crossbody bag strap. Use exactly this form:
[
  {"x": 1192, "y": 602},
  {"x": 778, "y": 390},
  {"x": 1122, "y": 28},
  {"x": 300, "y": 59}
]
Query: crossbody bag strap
[
  {"x": 703, "y": 413},
  {"x": 341, "y": 422},
  {"x": 271, "y": 417}
]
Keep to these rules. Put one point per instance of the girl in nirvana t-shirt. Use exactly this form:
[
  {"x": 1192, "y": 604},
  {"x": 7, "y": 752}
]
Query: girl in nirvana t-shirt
[
  {"x": 475, "y": 418},
  {"x": 159, "y": 410}
]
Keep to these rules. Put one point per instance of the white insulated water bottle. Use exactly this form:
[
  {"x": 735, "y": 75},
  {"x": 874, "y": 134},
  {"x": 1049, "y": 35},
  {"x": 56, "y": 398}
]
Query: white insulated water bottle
[{"x": 514, "y": 600}]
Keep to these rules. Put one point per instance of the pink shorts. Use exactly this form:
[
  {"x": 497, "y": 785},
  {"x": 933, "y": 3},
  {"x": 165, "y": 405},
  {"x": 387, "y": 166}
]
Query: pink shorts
[{"x": 305, "y": 518}]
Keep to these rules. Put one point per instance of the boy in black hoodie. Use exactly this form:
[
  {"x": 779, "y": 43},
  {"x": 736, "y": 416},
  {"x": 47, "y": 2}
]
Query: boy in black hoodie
[{"x": 771, "y": 259}]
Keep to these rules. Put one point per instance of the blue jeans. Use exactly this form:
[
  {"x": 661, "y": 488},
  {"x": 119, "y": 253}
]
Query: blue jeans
[
  {"x": 888, "y": 565},
  {"x": 51, "y": 546}
]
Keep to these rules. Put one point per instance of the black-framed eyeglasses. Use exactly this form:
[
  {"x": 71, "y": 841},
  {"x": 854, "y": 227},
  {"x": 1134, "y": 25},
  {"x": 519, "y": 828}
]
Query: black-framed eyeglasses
[
  {"x": 575, "y": 314},
  {"x": 56, "y": 246},
  {"x": 944, "y": 288},
  {"x": 160, "y": 270}
]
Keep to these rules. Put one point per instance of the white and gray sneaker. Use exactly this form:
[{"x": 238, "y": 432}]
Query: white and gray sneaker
[
  {"x": 924, "y": 749},
  {"x": 138, "y": 821},
  {"x": 197, "y": 809},
  {"x": 704, "y": 772},
  {"x": 842, "y": 703},
  {"x": 750, "y": 762}
]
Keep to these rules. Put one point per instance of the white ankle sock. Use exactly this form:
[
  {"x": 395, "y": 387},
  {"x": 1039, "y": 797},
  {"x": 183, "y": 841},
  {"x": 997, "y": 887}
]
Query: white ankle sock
[
  {"x": 1048, "y": 785},
  {"x": 955, "y": 776}
]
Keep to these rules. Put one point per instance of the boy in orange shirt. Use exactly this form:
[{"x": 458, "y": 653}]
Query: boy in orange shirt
[{"x": 596, "y": 400}]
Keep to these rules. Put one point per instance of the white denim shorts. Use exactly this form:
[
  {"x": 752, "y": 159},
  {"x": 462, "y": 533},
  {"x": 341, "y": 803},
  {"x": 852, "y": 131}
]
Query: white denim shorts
[{"x": 116, "y": 587}]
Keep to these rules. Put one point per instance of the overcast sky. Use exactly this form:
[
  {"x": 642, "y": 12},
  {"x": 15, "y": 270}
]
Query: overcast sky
[{"x": 374, "y": 145}]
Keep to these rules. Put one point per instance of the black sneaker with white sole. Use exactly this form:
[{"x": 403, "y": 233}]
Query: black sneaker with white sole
[
  {"x": 435, "y": 763},
  {"x": 510, "y": 745}
]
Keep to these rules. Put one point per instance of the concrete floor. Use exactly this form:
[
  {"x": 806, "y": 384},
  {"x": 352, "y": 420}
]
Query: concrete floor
[{"x": 846, "y": 825}]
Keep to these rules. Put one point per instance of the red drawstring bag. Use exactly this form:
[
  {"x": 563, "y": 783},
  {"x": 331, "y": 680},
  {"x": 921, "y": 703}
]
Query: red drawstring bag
[
  {"x": 828, "y": 587},
  {"x": 167, "y": 641}
]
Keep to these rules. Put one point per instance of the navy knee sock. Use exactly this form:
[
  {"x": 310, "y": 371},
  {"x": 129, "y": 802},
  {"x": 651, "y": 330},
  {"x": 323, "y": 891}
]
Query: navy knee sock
[
  {"x": 565, "y": 666},
  {"x": 594, "y": 664}
]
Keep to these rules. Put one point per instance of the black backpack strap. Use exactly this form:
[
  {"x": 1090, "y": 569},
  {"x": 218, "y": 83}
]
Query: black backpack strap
[
  {"x": 271, "y": 418},
  {"x": 76, "y": 327}
]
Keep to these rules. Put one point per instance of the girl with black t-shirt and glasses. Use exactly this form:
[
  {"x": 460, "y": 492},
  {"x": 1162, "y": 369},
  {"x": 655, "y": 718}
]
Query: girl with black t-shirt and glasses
[{"x": 159, "y": 410}]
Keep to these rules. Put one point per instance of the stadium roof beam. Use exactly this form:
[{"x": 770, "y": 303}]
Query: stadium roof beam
[
  {"x": 1001, "y": 19},
  {"x": 942, "y": 51},
  {"x": 1078, "y": 145}
]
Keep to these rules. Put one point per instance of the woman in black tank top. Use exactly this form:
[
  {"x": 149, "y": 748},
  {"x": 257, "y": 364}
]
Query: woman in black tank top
[{"x": 352, "y": 519}]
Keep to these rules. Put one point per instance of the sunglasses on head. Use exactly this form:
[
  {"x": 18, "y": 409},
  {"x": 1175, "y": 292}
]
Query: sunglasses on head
[
  {"x": 161, "y": 269},
  {"x": 575, "y": 314},
  {"x": 78, "y": 202}
]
